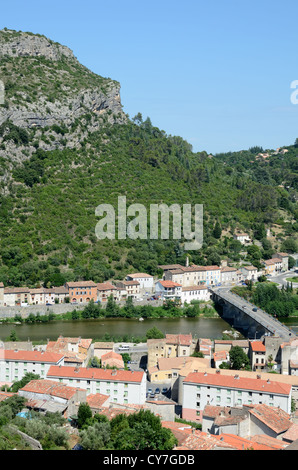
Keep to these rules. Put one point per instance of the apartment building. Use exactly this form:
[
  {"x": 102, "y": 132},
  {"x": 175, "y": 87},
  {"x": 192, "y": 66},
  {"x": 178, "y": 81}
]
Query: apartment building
[
  {"x": 194, "y": 293},
  {"x": 122, "y": 386},
  {"x": 202, "y": 389},
  {"x": 82, "y": 291},
  {"x": 14, "y": 364},
  {"x": 146, "y": 281}
]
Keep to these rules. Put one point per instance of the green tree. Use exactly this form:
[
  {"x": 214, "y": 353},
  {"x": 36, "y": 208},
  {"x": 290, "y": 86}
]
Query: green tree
[
  {"x": 154, "y": 333},
  {"x": 238, "y": 358},
  {"x": 84, "y": 414}
]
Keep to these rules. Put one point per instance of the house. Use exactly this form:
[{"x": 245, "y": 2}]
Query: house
[
  {"x": 97, "y": 402},
  {"x": 122, "y": 386},
  {"x": 197, "y": 292},
  {"x": 220, "y": 357},
  {"x": 261, "y": 423},
  {"x": 61, "y": 293},
  {"x": 101, "y": 348},
  {"x": 37, "y": 296},
  {"x": 213, "y": 275},
  {"x": 132, "y": 288},
  {"x": 228, "y": 275},
  {"x": 112, "y": 359},
  {"x": 201, "y": 389},
  {"x": 242, "y": 238},
  {"x": 168, "y": 290},
  {"x": 16, "y": 296},
  {"x": 284, "y": 259},
  {"x": 49, "y": 295},
  {"x": 257, "y": 354},
  {"x": 226, "y": 345},
  {"x": 77, "y": 351},
  {"x": 14, "y": 364},
  {"x": 170, "y": 346},
  {"x": 250, "y": 273},
  {"x": 145, "y": 281},
  {"x": 205, "y": 347},
  {"x": 273, "y": 266},
  {"x": 186, "y": 275},
  {"x": 49, "y": 396},
  {"x": 82, "y": 291},
  {"x": 105, "y": 290}
]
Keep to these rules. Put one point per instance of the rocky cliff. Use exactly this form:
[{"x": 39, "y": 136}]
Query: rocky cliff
[{"x": 46, "y": 89}]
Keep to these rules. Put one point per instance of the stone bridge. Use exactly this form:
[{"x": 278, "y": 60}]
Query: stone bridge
[{"x": 252, "y": 321}]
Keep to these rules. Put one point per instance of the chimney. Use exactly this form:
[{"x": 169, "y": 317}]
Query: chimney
[
  {"x": 218, "y": 371},
  {"x": 187, "y": 262},
  {"x": 236, "y": 376},
  {"x": 258, "y": 376}
]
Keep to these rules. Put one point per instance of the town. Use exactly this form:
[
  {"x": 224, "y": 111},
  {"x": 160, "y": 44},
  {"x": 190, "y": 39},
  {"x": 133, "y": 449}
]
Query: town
[
  {"x": 183, "y": 283},
  {"x": 219, "y": 394}
]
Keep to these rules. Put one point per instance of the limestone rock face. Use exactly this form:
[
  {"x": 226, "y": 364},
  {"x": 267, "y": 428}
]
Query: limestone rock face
[
  {"x": 13, "y": 44},
  {"x": 44, "y": 85}
]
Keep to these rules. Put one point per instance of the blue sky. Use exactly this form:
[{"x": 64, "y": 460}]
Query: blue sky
[{"x": 216, "y": 73}]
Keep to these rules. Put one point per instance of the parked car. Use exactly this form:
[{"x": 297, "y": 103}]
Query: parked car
[
  {"x": 255, "y": 309},
  {"x": 157, "y": 391},
  {"x": 164, "y": 391}
]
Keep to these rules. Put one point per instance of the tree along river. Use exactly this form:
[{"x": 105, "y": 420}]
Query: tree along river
[{"x": 212, "y": 328}]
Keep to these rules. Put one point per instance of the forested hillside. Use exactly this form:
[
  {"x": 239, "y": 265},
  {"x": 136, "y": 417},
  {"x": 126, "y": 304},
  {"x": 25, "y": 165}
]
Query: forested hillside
[{"x": 66, "y": 146}]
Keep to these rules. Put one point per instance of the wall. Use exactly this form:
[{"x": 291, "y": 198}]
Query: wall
[{"x": 10, "y": 312}]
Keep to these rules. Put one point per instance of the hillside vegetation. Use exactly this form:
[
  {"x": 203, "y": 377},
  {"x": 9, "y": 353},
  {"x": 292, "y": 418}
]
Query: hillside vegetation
[{"x": 66, "y": 146}]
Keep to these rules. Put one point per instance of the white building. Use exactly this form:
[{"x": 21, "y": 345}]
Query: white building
[
  {"x": 194, "y": 293},
  {"x": 242, "y": 238},
  {"x": 122, "y": 386},
  {"x": 249, "y": 272},
  {"x": 201, "y": 389},
  {"x": 15, "y": 364},
  {"x": 145, "y": 280},
  {"x": 168, "y": 289},
  {"x": 229, "y": 275},
  {"x": 213, "y": 275}
]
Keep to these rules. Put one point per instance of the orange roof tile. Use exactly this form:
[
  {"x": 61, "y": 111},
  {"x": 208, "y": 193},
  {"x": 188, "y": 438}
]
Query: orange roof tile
[
  {"x": 237, "y": 382},
  {"x": 96, "y": 374}
]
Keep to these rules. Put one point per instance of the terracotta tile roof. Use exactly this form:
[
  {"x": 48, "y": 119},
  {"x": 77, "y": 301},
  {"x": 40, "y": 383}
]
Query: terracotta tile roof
[
  {"x": 240, "y": 443},
  {"x": 273, "y": 417},
  {"x": 16, "y": 290},
  {"x": 130, "y": 283},
  {"x": 105, "y": 286},
  {"x": 190, "y": 288},
  {"x": 96, "y": 374},
  {"x": 5, "y": 395},
  {"x": 237, "y": 382},
  {"x": 50, "y": 387},
  {"x": 169, "y": 284},
  {"x": 275, "y": 444},
  {"x": 139, "y": 275},
  {"x": 291, "y": 434},
  {"x": 81, "y": 284},
  {"x": 111, "y": 355},
  {"x": 30, "y": 356},
  {"x": 97, "y": 400},
  {"x": 170, "y": 266},
  {"x": 257, "y": 346},
  {"x": 180, "y": 339}
]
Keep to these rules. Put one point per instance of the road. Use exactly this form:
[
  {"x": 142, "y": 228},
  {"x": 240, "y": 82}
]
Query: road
[{"x": 260, "y": 316}]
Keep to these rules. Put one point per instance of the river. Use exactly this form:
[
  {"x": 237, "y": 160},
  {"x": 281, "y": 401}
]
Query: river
[{"x": 212, "y": 328}]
